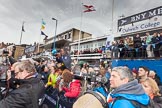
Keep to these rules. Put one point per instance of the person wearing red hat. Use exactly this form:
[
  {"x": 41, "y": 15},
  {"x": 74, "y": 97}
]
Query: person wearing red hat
[{"x": 135, "y": 73}]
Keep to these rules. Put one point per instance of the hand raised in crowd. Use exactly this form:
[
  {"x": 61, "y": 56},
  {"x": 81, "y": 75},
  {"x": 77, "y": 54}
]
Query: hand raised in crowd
[
  {"x": 61, "y": 85},
  {"x": 8, "y": 75}
]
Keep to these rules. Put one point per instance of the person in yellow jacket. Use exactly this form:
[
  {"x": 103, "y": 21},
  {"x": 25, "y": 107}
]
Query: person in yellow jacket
[{"x": 52, "y": 78}]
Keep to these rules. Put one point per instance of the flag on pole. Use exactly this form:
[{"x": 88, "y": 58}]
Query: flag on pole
[
  {"x": 45, "y": 38},
  {"x": 42, "y": 28},
  {"x": 89, "y": 8},
  {"x": 42, "y": 33},
  {"x": 43, "y": 25},
  {"x": 109, "y": 40},
  {"x": 23, "y": 28}
]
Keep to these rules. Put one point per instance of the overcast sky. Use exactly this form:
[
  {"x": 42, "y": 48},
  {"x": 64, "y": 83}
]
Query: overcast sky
[{"x": 68, "y": 14}]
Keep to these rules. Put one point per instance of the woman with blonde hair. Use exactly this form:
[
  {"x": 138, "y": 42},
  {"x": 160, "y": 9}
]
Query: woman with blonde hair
[{"x": 151, "y": 88}]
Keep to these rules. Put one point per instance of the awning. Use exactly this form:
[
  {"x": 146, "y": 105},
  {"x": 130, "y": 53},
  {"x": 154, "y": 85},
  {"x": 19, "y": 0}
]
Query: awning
[
  {"x": 58, "y": 44},
  {"x": 62, "y": 43}
]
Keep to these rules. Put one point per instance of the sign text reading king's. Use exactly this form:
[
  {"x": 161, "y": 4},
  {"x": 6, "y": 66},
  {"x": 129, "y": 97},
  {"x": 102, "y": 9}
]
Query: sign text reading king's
[{"x": 141, "y": 16}]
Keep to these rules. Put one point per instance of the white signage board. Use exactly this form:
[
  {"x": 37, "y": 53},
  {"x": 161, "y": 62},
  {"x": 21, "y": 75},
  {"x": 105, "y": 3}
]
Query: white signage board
[{"x": 154, "y": 22}]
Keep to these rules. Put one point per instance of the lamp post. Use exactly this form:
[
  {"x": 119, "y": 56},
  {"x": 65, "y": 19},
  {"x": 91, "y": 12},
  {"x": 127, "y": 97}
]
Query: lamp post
[
  {"x": 112, "y": 17},
  {"x": 54, "y": 47}
]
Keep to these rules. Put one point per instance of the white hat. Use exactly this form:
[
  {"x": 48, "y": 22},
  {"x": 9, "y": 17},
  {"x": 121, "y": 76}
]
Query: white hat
[
  {"x": 23, "y": 58},
  {"x": 96, "y": 68}
]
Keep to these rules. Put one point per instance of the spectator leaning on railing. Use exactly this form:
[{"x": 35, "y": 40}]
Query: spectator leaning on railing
[
  {"x": 155, "y": 43},
  {"x": 148, "y": 43},
  {"x": 137, "y": 44},
  {"x": 160, "y": 47}
]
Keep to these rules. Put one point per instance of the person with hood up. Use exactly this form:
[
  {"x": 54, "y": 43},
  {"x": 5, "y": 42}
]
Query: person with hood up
[{"x": 125, "y": 89}]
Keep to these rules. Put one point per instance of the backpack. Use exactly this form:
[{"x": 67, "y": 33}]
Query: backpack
[{"x": 135, "y": 103}]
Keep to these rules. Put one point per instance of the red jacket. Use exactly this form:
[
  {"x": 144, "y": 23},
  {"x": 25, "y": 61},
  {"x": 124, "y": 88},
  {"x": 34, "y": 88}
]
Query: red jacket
[{"x": 74, "y": 90}]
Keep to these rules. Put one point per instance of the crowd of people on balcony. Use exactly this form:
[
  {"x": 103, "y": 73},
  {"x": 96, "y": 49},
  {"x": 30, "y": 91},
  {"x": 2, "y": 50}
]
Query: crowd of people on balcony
[
  {"x": 138, "y": 46},
  {"x": 148, "y": 46}
]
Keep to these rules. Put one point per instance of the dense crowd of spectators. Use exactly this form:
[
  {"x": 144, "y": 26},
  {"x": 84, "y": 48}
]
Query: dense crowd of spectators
[{"x": 30, "y": 79}]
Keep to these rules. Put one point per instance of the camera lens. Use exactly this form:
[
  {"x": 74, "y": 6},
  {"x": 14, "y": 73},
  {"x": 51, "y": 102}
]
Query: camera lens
[{"x": 5, "y": 52}]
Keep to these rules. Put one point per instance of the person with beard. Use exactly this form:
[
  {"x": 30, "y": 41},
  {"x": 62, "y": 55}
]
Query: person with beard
[{"x": 143, "y": 73}]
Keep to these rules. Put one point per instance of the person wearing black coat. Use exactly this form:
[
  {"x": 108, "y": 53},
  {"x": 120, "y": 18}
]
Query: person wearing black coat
[
  {"x": 66, "y": 59},
  {"x": 137, "y": 45},
  {"x": 29, "y": 90},
  {"x": 11, "y": 58},
  {"x": 158, "y": 101},
  {"x": 155, "y": 40}
]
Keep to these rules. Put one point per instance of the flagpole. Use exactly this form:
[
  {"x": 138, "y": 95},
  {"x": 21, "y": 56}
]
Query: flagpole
[
  {"x": 54, "y": 45},
  {"x": 112, "y": 25},
  {"x": 42, "y": 27},
  {"x": 22, "y": 31},
  {"x": 80, "y": 32},
  {"x": 39, "y": 37},
  {"x": 39, "y": 42}
]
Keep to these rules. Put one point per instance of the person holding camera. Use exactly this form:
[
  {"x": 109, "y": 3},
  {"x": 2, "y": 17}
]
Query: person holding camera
[
  {"x": 66, "y": 59},
  {"x": 29, "y": 88}
]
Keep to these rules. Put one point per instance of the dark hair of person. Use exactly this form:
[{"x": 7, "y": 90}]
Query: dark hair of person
[
  {"x": 145, "y": 68},
  {"x": 42, "y": 68}
]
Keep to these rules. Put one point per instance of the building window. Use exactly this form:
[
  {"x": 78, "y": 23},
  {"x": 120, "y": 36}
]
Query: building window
[
  {"x": 77, "y": 47},
  {"x": 72, "y": 48},
  {"x": 96, "y": 45},
  {"x": 65, "y": 36},
  {"x": 99, "y": 44},
  {"x": 91, "y": 45},
  {"x": 102, "y": 43},
  {"x": 86, "y": 46},
  {"x": 61, "y": 37},
  {"x": 80, "y": 47},
  {"x": 69, "y": 35}
]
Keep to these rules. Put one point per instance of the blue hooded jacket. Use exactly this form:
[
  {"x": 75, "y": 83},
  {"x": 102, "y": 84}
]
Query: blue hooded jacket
[{"x": 131, "y": 91}]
